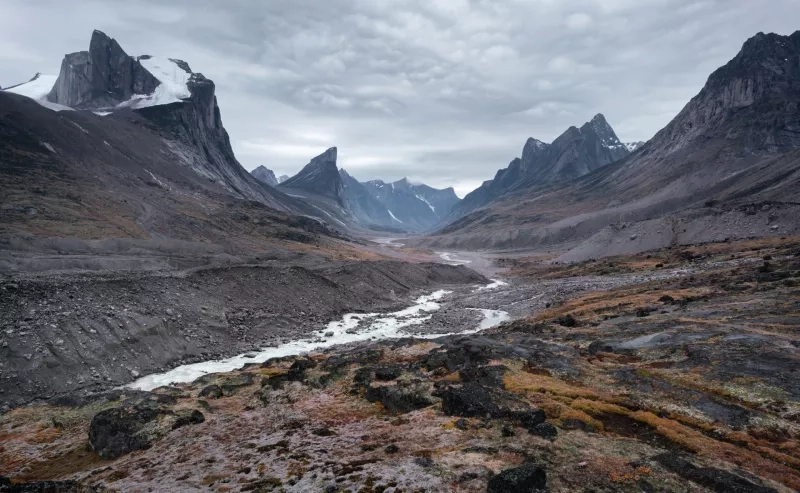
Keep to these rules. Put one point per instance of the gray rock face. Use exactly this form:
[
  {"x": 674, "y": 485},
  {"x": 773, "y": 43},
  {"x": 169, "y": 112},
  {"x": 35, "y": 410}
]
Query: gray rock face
[
  {"x": 102, "y": 77},
  {"x": 136, "y": 426},
  {"x": 320, "y": 176},
  {"x": 265, "y": 175}
]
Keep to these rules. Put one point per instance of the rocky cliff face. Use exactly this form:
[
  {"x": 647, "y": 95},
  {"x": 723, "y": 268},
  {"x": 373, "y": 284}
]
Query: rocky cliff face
[
  {"x": 765, "y": 74},
  {"x": 265, "y": 175},
  {"x": 320, "y": 176},
  {"x": 104, "y": 76},
  {"x": 576, "y": 152}
]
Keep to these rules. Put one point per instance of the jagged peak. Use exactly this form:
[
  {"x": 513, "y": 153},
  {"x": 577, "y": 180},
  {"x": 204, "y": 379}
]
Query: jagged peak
[{"x": 772, "y": 54}]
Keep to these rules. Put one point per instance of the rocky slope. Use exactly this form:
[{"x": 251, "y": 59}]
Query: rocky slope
[
  {"x": 78, "y": 333},
  {"x": 732, "y": 151},
  {"x": 576, "y": 152}
]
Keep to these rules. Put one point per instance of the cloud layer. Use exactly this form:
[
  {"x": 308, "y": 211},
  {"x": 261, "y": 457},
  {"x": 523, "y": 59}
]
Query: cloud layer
[{"x": 442, "y": 91}]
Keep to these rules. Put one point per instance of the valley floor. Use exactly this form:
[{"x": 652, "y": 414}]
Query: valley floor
[{"x": 671, "y": 371}]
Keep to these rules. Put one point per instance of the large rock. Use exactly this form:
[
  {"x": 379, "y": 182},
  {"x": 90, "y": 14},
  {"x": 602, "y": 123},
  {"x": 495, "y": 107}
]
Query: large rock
[
  {"x": 528, "y": 478},
  {"x": 136, "y": 426},
  {"x": 102, "y": 77},
  {"x": 476, "y": 401},
  {"x": 399, "y": 400},
  {"x": 713, "y": 479}
]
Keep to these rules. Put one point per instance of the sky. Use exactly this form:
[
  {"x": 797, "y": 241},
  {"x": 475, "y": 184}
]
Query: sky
[{"x": 444, "y": 92}]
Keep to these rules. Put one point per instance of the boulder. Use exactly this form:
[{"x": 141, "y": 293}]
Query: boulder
[
  {"x": 399, "y": 400},
  {"x": 211, "y": 392},
  {"x": 476, "y": 401},
  {"x": 528, "y": 478},
  {"x": 117, "y": 431},
  {"x": 544, "y": 430}
]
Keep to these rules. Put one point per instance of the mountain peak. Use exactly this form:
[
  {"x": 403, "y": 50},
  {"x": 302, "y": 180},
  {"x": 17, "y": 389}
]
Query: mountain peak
[
  {"x": 320, "y": 176},
  {"x": 265, "y": 175}
]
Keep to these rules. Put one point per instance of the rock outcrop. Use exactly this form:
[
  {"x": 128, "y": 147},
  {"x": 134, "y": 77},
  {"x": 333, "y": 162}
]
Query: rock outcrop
[
  {"x": 137, "y": 425},
  {"x": 104, "y": 76}
]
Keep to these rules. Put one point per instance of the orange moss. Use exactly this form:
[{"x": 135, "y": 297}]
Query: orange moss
[{"x": 524, "y": 383}]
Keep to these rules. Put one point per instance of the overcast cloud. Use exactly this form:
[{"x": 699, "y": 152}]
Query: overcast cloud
[{"x": 442, "y": 91}]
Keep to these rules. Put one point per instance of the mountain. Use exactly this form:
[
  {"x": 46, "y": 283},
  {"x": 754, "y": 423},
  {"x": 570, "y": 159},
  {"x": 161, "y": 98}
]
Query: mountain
[
  {"x": 727, "y": 166},
  {"x": 371, "y": 206},
  {"x": 413, "y": 207},
  {"x": 576, "y": 152},
  {"x": 367, "y": 209},
  {"x": 320, "y": 176},
  {"x": 148, "y": 169},
  {"x": 283, "y": 178},
  {"x": 265, "y": 175},
  {"x": 105, "y": 76}
]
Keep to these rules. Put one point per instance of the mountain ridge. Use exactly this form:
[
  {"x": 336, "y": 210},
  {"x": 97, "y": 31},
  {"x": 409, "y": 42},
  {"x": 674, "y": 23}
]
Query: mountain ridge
[{"x": 732, "y": 145}]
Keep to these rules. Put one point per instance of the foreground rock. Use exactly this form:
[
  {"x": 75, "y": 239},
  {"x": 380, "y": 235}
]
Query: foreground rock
[
  {"x": 136, "y": 426},
  {"x": 529, "y": 478}
]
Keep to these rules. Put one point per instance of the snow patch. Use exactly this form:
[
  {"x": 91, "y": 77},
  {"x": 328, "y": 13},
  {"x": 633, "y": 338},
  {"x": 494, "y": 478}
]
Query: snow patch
[
  {"x": 37, "y": 88},
  {"x": 173, "y": 87},
  {"x": 393, "y": 217},
  {"x": 157, "y": 180},
  {"x": 328, "y": 214},
  {"x": 81, "y": 128},
  {"x": 433, "y": 209},
  {"x": 49, "y": 147},
  {"x": 102, "y": 113}
]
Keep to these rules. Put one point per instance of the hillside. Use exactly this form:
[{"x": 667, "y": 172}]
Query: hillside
[{"x": 725, "y": 167}]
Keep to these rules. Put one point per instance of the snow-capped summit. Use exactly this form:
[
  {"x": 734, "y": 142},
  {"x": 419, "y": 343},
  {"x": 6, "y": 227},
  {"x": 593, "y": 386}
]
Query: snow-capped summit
[
  {"x": 105, "y": 78},
  {"x": 632, "y": 146}
]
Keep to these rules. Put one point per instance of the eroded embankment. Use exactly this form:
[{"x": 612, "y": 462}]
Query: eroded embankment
[{"x": 68, "y": 333}]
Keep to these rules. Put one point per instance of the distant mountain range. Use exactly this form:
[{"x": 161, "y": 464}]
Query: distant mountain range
[
  {"x": 727, "y": 166},
  {"x": 134, "y": 147},
  {"x": 400, "y": 206}
]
